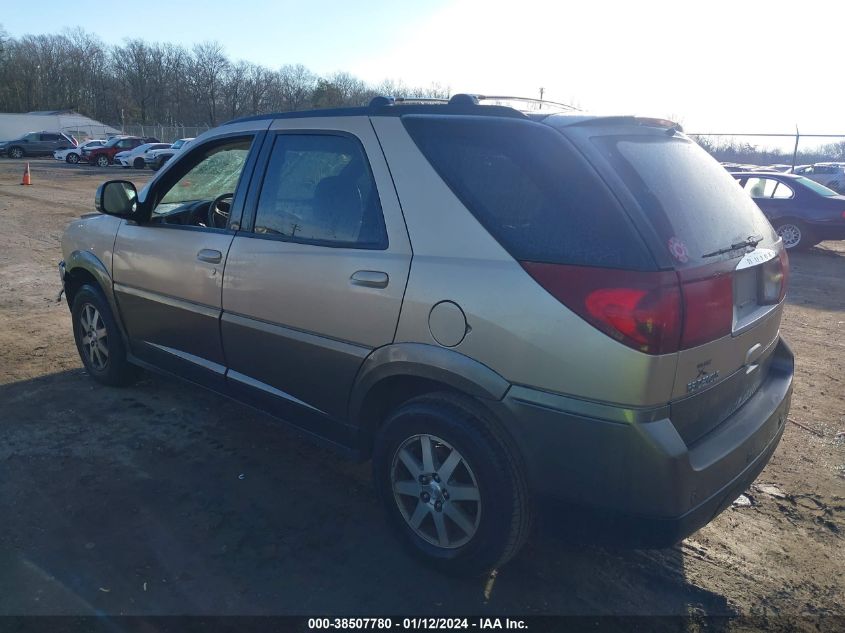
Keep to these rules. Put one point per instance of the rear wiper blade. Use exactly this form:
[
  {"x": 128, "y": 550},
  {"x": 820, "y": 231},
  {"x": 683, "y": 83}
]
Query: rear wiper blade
[{"x": 751, "y": 240}]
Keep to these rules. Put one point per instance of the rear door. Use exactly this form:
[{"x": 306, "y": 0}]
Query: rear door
[{"x": 314, "y": 281}]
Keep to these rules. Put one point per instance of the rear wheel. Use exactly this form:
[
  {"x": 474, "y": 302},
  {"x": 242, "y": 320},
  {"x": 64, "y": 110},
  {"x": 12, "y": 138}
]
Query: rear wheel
[
  {"x": 102, "y": 160},
  {"x": 794, "y": 235},
  {"x": 72, "y": 158},
  {"x": 98, "y": 338},
  {"x": 450, "y": 485}
]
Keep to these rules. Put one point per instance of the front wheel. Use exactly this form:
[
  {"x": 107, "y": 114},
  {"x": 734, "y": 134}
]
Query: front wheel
[
  {"x": 138, "y": 163},
  {"x": 102, "y": 160},
  {"x": 794, "y": 235},
  {"x": 98, "y": 338},
  {"x": 72, "y": 158},
  {"x": 16, "y": 152},
  {"x": 450, "y": 485}
]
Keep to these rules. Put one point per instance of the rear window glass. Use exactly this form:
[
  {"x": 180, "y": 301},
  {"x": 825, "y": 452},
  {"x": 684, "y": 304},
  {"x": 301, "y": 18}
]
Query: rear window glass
[
  {"x": 694, "y": 204},
  {"x": 531, "y": 190},
  {"x": 817, "y": 187}
]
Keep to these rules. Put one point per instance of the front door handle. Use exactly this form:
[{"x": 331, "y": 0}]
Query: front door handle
[
  {"x": 370, "y": 279},
  {"x": 210, "y": 255}
]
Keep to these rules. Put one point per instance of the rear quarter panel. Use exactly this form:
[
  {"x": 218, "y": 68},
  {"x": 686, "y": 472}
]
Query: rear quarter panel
[{"x": 514, "y": 326}]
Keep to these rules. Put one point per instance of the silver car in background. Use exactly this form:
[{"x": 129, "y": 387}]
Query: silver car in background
[
  {"x": 510, "y": 313},
  {"x": 831, "y": 175}
]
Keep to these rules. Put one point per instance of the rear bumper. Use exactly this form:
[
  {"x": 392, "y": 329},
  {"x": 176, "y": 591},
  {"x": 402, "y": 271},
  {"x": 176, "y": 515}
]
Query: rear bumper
[{"x": 631, "y": 479}]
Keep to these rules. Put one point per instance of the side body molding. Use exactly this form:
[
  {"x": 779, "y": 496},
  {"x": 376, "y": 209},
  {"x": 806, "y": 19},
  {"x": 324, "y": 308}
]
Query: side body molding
[{"x": 424, "y": 361}]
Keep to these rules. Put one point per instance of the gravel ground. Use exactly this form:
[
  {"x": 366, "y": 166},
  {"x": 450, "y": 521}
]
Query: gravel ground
[{"x": 165, "y": 499}]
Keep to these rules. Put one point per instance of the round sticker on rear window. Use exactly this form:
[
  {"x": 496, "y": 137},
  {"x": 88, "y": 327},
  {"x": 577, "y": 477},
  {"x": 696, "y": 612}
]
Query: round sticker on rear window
[{"x": 678, "y": 249}]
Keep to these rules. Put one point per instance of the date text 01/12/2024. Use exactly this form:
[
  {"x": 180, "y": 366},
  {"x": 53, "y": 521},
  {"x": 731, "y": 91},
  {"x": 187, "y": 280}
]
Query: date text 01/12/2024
[{"x": 415, "y": 623}]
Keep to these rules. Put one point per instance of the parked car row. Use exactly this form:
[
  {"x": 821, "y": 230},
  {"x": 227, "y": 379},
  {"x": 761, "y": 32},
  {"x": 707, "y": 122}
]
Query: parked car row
[
  {"x": 829, "y": 174},
  {"x": 132, "y": 152},
  {"x": 125, "y": 151}
]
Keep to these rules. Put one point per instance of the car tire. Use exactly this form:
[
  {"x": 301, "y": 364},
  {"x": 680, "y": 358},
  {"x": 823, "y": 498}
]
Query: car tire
[
  {"x": 15, "y": 152},
  {"x": 138, "y": 163},
  {"x": 102, "y": 161},
  {"x": 795, "y": 234},
  {"x": 455, "y": 438},
  {"x": 72, "y": 158},
  {"x": 98, "y": 338}
]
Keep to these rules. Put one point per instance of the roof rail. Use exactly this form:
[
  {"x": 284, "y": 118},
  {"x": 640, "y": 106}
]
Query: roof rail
[
  {"x": 539, "y": 103},
  {"x": 466, "y": 99}
]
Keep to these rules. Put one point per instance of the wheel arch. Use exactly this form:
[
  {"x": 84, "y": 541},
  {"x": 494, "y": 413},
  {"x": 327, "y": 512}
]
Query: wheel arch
[
  {"x": 396, "y": 373},
  {"x": 83, "y": 267}
]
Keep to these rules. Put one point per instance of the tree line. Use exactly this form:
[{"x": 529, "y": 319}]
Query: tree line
[
  {"x": 733, "y": 151},
  {"x": 165, "y": 83}
]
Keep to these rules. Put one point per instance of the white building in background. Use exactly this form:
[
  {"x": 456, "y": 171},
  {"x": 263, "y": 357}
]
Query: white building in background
[{"x": 13, "y": 125}]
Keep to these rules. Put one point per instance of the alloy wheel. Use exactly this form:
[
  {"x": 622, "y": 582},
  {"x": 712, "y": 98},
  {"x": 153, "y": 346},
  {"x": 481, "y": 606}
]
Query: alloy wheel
[
  {"x": 436, "y": 491},
  {"x": 16, "y": 152},
  {"x": 791, "y": 235},
  {"x": 94, "y": 337},
  {"x": 73, "y": 158}
]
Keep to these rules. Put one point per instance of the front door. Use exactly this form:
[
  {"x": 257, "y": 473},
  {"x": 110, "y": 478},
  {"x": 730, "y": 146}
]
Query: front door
[
  {"x": 316, "y": 281},
  {"x": 168, "y": 272}
]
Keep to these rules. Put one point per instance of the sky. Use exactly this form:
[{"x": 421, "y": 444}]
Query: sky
[{"x": 713, "y": 65}]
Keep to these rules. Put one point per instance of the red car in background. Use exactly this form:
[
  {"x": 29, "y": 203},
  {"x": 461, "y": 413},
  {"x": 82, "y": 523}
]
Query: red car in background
[{"x": 104, "y": 156}]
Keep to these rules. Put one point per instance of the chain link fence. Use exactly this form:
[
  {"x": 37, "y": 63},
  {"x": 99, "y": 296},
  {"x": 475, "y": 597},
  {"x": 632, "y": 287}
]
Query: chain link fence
[{"x": 164, "y": 133}]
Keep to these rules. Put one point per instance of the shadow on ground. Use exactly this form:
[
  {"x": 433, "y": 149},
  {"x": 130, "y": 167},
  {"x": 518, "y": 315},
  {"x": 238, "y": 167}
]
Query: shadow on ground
[{"x": 165, "y": 499}]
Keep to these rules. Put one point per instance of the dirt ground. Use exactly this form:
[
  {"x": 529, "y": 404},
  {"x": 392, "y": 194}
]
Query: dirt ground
[{"x": 165, "y": 499}]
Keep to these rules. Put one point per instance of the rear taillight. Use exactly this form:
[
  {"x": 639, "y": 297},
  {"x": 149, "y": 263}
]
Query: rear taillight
[
  {"x": 784, "y": 272},
  {"x": 640, "y": 309},
  {"x": 708, "y": 305},
  {"x": 653, "y": 312}
]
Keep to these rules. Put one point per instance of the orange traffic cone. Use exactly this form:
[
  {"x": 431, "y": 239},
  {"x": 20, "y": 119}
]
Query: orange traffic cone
[{"x": 27, "y": 179}]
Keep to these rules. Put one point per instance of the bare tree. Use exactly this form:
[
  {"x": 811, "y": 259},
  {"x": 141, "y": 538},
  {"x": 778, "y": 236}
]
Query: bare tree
[{"x": 207, "y": 75}]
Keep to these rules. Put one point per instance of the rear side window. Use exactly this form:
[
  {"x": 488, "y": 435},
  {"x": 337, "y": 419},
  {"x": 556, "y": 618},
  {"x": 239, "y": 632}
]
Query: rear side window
[
  {"x": 696, "y": 207},
  {"x": 767, "y": 188},
  {"x": 531, "y": 190},
  {"x": 318, "y": 189}
]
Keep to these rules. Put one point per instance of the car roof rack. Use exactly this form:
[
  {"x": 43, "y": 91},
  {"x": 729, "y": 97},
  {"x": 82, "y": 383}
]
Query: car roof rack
[
  {"x": 461, "y": 103},
  {"x": 467, "y": 99}
]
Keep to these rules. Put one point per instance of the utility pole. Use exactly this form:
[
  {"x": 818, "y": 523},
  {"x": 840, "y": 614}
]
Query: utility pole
[{"x": 795, "y": 151}]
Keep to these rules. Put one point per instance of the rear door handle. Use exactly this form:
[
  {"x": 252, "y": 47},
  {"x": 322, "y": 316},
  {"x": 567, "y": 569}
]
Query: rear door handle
[
  {"x": 370, "y": 279},
  {"x": 210, "y": 255}
]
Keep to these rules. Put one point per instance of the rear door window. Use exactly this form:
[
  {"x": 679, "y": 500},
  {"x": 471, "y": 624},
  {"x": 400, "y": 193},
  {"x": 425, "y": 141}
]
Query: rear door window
[
  {"x": 694, "y": 204},
  {"x": 531, "y": 189},
  {"x": 767, "y": 188},
  {"x": 318, "y": 189}
]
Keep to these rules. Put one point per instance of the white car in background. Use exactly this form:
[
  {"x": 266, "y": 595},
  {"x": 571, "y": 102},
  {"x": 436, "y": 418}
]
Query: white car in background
[
  {"x": 72, "y": 154},
  {"x": 156, "y": 158},
  {"x": 135, "y": 157}
]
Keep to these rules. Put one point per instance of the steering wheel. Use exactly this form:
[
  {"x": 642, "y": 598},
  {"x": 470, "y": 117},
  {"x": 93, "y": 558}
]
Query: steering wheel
[{"x": 218, "y": 211}]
